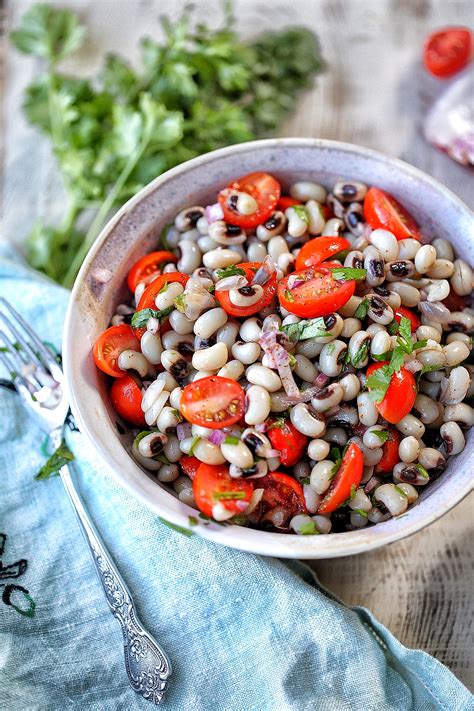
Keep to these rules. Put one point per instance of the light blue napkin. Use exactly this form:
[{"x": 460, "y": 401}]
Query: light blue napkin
[{"x": 244, "y": 633}]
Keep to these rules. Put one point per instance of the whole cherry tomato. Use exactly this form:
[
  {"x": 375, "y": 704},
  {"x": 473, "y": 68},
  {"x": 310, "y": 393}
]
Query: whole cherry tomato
[
  {"x": 314, "y": 292},
  {"x": 447, "y": 51},
  {"x": 126, "y": 397},
  {"x": 213, "y": 402},
  {"x": 213, "y": 486},
  {"x": 318, "y": 249},
  {"x": 269, "y": 289},
  {"x": 347, "y": 478},
  {"x": 264, "y": 188},
  {"x": 400, "y": 395},
  {"x": 382, "y": 210},
  {"x": 110, "y": 344},
  {"x": 284, "y": 437},
  {"x": 144, "y": 269}
]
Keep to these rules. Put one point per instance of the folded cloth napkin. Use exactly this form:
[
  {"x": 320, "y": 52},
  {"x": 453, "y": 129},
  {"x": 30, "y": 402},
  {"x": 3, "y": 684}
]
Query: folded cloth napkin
[{"x": 244, "y": 633}]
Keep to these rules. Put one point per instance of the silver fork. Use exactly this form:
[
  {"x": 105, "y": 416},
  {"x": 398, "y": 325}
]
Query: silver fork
[{"x": 38, "y": 378}]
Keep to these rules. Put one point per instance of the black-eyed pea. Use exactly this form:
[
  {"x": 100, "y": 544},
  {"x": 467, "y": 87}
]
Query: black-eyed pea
[
  {"x": 323, "y": 523},
  {"x": 189, "y": 257},
  {"x": 209, "y": 322},
  {"x": 328, "y": 397},
  {"x": 200, "y": 374},
  {"x": 133, "y": 360},
  {"x": 408, "y": 449},
  {"x": 257, "y": 405},
  {"x": 410, "y": 492},
  {"x": 234, "y": 370},
  {"x": 379, "y": 311},
  {"x": 359, "y": 347},
  {"x": 315, "y": 217},
  {"x": 187, "y": 218},
  {"x": 411, "y": 426},
  {"x": 318, "y": 449},
  {"x": 298, "y": 221},
  {"x": 441, "y": 269},
  {"x": 172, "y": 449},
  {"x": 306, "y": 421},
  {"x": 368, "y": 413},
  {"x": 247, "y": 353},
  {"x": 334, "y": 227},
  {"x": 444, "y": 249},
  {"x": 256, "y": 251},
  {"x": 381, "y": 343},
  {"x": 175, "y": 397},
  {"x": 378, "y": 516},
  {"x": 460, "y": 321},
  {"x": 190, "y": 236},
  {"x": 279, "y": 401},
  {"x": 367, "y": 474},
  {"x": 431, "y": 357},
  {"x": 147, "y": 462},
  {"x": 461, "y": 279},
  {"x": 358, "y": 520},
  {"x": 212, "y": 358},
  {"x": 410, "y": 474},
  {"x": 360, "y": 501},
  {"x": 409, "y": 295},
  {"x": 331, "y": 356},
  {"x": 337, "y": 436},
  {"x": 461, "y": 413},
  {"x": 386, "y": 243},
  {"x": 437, "y": 290},
  {"x": 261, "y": 375},
  {"x": 321, "y": 476},
  {"x": 168, "y": 473},
  {"x": 151, "y": 347},
  {"x": 408, "y": 248},
  {"x": 425, "y": 408},
  {"x": 206, "y": 244},
  {"x": 374, "y": 328},
  {"x": 425, "y": 258},
  {"x": 180, "y": 323},
  {"x": 310, "y": 348},
  {"x": 354, "y": 219},
  {"x": 228, "y": 334},
  {"x": 272, "y": 227},
  {"x": 399, "y": 269},
  {"x": 301, "y": 470},
  {"x": 455, "y": 336},
  {"x": 305, "y": 190},
  {"x": 374, "y": 264},
  {"x": 220, "y": 258},
  {"x": 351, "y": 386},
  {"x": 454, "y": 391},
  {"x": 169, "y": 382},
  {"x": 456, "y": 351},
  {"x": 305, "y": 369},
  {"x": 238, "y": 454},
  {"x": 168, "y": 419},
  {"x": 354, "y": 260},
  {"x": 453, "y": 438},
  {"x": 152, "y": 444},
  {"x": 301, "y": 524},
  {"x": 430, "y": 458},
  {"x": 371, "y": 457},
  {"x": 395, "y": 501},
  {"x": 348, "y": 191},
  {"x": 350, "y": 306},
  {"x": 311, "y": 498},
  {"x": 428, "y": 332},
  {"x": 374, "y": 437}
]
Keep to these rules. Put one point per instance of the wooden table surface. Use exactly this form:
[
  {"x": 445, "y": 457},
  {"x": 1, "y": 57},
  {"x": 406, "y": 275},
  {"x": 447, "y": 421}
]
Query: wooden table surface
[{"x": 374, "y": 93}]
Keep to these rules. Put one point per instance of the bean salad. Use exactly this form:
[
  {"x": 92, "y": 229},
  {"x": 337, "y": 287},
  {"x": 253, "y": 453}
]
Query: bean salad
[{"x": 295, "y": 362}]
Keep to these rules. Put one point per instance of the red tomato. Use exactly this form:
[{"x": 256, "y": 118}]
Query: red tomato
[
  {"x": 213, "y": 402},
  {"x": 110, "y": 345},
  {"x": 147, "y": 299},
  {"x": 317, "y": 250},
  {"x": 213, "y": 485},
  {"x": 455, "y": 302},
  {"x": 348, "y": 476},
  {"x": 189, "y": 465},
  {"x": 282, "y": 499},
  {"x": 382, "y": 210},
  {"x": 261, "y": 186},
  {"x": 286, "y": 201},
  {"x": 327, "y": 212},
  {"x": 389, "y": 452},
  {"x": 403, "y": 312},
  {"x": 269, "y": 289},
  {"x": 290, "y": 443},
  {"x": 147, "y": 266},
  {"x": 400, "y": 395},
  {"x": 447, "y": 51},
  {"x": 319, "y": 294},
  {"x": 126, "y": 397}
]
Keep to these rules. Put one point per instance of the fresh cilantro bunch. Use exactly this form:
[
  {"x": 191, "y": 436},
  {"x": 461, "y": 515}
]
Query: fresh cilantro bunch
[{"x": 199, "y": 90}]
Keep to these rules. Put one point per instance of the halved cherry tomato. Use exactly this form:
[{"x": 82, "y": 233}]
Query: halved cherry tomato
[
  {"x": 400, "y": 395},
  {"x": 282, "y": 499},
  {"x": 285, "y": 201},
  {"x": 389, "y": 452},
  {"x": 110, "y": 345},
  {"x": 269, "y": 289},
  {"x": 403, "y": 312},
  {"x": 318, "y": 249},
  {"x": 147, "y": 299},
  {"x": 261, "y": 186},
  {"x": 213, "y": 402},
  {"x": 148, "y": 265},
  {"x": 319, "y": 294},
  {"x": 189, "y": 465},
  {"x": 126, "y": 397},
  {"x": 287, "y": 440},
  {"x": 447, "y": 51},
  {"x": 349, "y": 475},
  {"x": 213, "y": 485},
  {"x": 382, "y": 210}
]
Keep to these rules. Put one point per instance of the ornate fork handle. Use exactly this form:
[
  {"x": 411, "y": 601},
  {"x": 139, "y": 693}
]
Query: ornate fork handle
[{"x": 147, "y": 665}]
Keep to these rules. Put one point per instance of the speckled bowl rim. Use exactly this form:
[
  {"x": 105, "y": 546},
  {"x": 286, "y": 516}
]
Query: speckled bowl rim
[{"x": 129, "y": 475}]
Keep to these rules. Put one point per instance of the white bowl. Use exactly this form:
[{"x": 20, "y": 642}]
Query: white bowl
[{"x": 134, "y": 230}]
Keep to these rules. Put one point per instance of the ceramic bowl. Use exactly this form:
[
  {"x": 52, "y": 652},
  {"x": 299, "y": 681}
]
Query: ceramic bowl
[{"x": 134, "y": 230}]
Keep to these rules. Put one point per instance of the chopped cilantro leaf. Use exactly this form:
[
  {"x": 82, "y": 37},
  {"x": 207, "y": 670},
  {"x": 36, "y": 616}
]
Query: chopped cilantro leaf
[
  {"x": 383, "y": 435},
  {"x": 58, "y": 459},
  {"x": 307, "y": 328},
  {"x": 140, "y": 318},
  {"x": 362, "y": 310},
  {"x": 346, "y": 273},
  {"x": 231, "y": 270}
]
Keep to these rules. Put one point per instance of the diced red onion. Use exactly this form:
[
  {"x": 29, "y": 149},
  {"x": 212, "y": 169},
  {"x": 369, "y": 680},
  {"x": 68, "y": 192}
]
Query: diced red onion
[
  {"x": 232, "y": 282},
  {"x": 217, "y": 437},
  {"x": 321, "y": 381},
  {"x": 294, "y": 281},
  {"x": 264, "y": 273},
  {"x": 184, "y": 430},
  {"x": 372, "y": 484},
  {"x": 270, "y": 453},
  {"x": 434, "y": 311},
  {"x": 413, "y": 366},
  {"x": 261, "y": 428},
  {"x": 213, "y": 213}
]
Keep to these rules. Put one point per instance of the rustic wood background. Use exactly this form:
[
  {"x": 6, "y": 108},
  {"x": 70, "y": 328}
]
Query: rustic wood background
[{"x": 373, "y": 93}]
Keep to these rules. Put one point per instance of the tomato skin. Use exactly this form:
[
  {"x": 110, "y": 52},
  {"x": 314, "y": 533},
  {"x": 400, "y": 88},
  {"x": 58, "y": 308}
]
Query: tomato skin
[
  {"x": 349, "y": 475},
  {"x": 400, "y": 395},
  {"x": 147, "y": 299},
  {"x": 211, "y": 480},
  {"x": 126, "y": 398},
  {"x": 389, "y": 453},
  {"x": 382, "y": 210},
  {"x": 318, "y": 249},
  {"x": 218, "y": 394},
  {"x": 261, "y": 186},
  {"x": 189, "y": 465},
  {"x": 281, "y": 492},
  {"x": 148, "y": 265},
  {"x": 447, "y": 51},
  {"x": 403, "y": 312},
  {"x": 319, "y": 296},
  {"x": 269, "y": 290},
  {"x": 285, "y": 201},
  {"x": 288, "y": 441},
  {"x": 110, "y": 344}
]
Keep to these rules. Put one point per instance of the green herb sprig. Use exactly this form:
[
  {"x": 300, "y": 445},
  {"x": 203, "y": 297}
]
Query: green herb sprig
[{"x": 307, "y": 328}]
